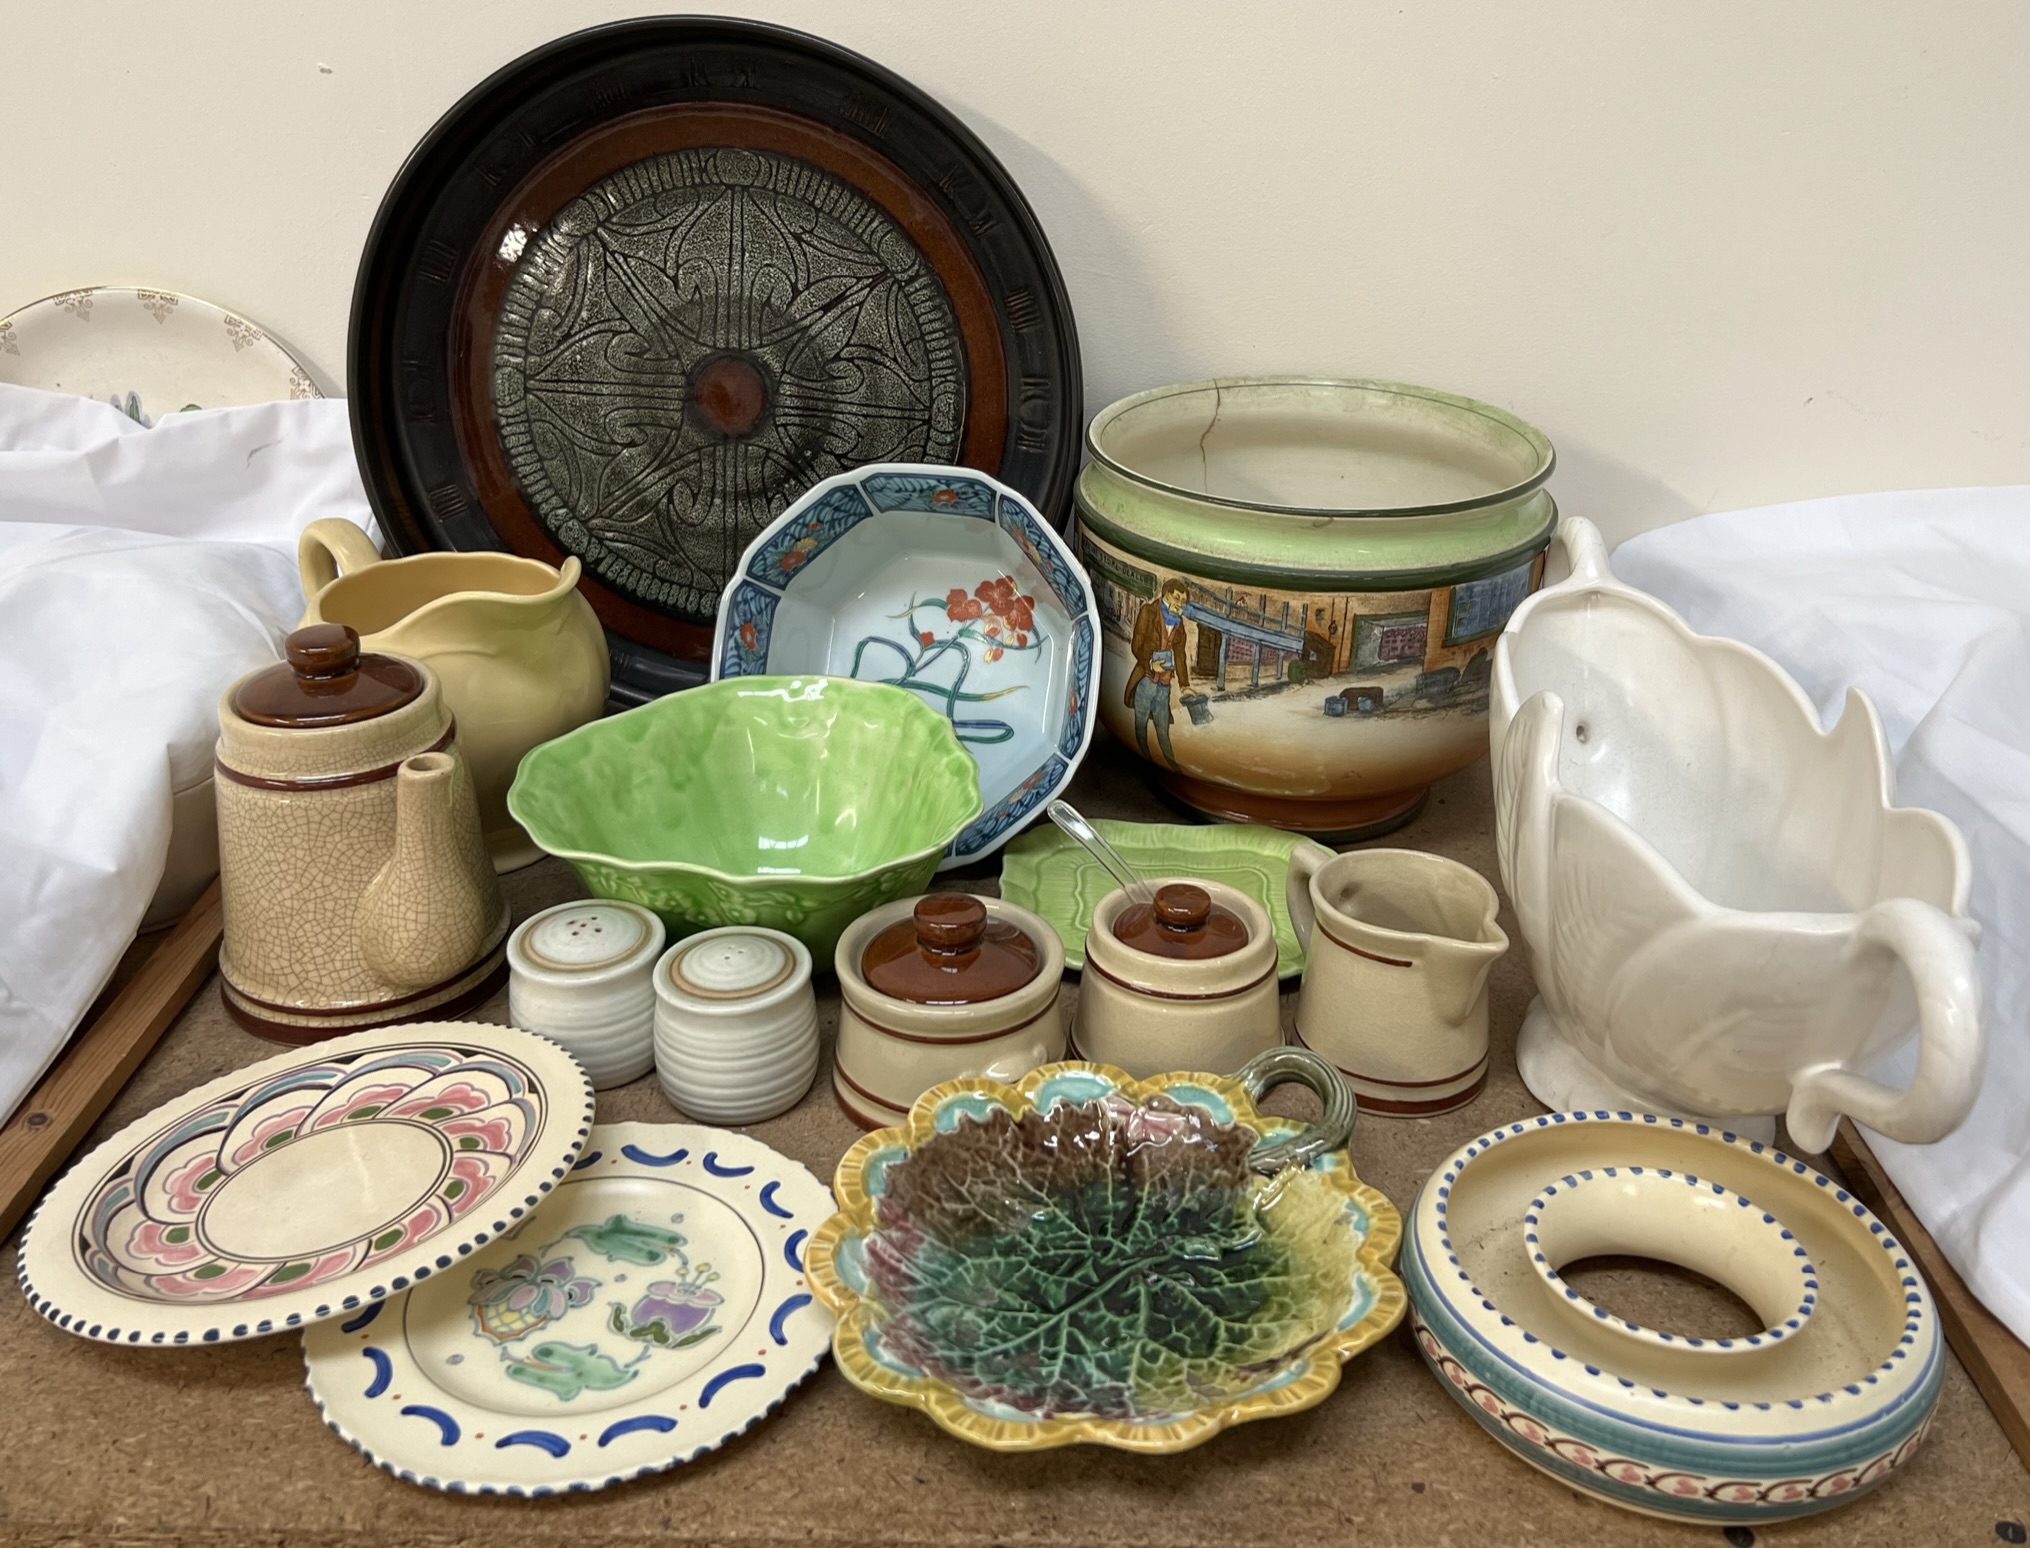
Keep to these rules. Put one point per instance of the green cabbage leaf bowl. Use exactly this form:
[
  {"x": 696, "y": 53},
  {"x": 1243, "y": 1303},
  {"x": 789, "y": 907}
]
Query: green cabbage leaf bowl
[{"x": 793, "y": 802}]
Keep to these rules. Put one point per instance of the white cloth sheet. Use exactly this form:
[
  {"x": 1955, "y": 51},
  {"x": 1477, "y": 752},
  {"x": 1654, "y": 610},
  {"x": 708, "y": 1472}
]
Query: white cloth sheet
[
  {"x": 1922, "y": 601},
  {"x": 141, "y": 570}
]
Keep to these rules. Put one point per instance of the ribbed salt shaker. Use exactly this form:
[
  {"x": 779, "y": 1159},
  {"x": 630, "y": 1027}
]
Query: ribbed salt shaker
[
  {"x": 736, "y": 1024},
  {"x": 581, "y": 974}
]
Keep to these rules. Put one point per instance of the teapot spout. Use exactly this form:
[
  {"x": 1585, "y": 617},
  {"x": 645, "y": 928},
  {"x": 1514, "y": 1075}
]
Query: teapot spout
[{"x": 431, "y": 911}]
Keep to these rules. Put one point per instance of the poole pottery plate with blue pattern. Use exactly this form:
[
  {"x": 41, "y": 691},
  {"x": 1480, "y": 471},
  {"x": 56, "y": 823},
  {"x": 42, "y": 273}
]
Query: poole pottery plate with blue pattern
[
  {"x": 655, "y": 1309},
  {"x": 307, "y": 1185},
  {"x": 944, "y": 582},
  {"x": 1827, "y": 1399}
]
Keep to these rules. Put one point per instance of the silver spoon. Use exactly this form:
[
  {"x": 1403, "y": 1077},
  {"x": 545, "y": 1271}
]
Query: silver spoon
[{"x": 1067, "y": 817}]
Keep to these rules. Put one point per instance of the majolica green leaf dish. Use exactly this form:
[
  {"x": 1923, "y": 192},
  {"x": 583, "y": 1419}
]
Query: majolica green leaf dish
[
  {"x": 793, "y": 802},
  {"x": 1084, "y": 1257}
]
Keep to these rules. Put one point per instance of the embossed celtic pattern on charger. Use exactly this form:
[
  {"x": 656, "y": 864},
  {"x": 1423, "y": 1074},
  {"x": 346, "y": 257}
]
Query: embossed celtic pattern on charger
[
  {"x": 701, "y": 334},
  {"x": 1250, "y": 1292},
  {"x": 144, "y": 1232}
]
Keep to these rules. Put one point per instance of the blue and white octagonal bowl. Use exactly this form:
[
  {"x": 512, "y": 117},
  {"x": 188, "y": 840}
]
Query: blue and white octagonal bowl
[
  {"x": 942, "y": 581},
  {"x": 1827, "y": 1401}
]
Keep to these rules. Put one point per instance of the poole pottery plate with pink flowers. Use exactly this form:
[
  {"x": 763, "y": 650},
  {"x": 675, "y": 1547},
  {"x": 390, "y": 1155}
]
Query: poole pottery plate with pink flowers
[
  {"x": 944, "y": 582},
  {"x": 655, "y": 1309},
  {"x": 307, "y": 1185},
  {"x": 1084, "y": 1257}
]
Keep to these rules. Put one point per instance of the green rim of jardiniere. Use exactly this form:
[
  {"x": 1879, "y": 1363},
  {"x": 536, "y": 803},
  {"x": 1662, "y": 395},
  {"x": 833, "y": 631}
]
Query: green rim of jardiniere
[{"x": 1322, "y": 547}]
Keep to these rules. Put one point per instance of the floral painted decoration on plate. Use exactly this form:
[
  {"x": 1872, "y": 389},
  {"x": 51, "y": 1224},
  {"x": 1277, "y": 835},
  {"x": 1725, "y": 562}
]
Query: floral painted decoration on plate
[
  {"x": 1083, "y": 1257},
  {"x": 306, "y": 1185},
  {"x": 943, "y": 582},
  {"x": 655, "y": 1309}
]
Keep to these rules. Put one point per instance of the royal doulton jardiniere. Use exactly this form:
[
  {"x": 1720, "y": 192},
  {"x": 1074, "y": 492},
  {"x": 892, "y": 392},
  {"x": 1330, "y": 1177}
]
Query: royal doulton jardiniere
[
  {"x": 1829, "y": 1395},
  {"x": 356, "y": 886},
  {"x": 932, "y": 989},
  {"x": 582, "y": 974},
  {"x": 518, "y": 652},
  {"x": 1400, "y": 944},
  {"x": 1084, "y": 1257},
  {"x": 1727, "y": 915},
  {"x": 1186, "y": 982},
  {"x": 1299, "y": 585}
]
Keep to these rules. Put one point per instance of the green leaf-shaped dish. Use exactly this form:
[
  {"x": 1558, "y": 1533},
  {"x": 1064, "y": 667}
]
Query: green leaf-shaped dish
[
  {"x": 1047, "y": 873},
  {"x": 793, "y": 802},
  {"x": 1087, "y": 1257}
]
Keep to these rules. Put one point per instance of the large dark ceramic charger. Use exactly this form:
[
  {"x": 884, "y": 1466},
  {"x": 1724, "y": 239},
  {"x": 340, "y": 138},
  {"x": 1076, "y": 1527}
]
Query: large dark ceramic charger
[{"x": 644, "y": 286}]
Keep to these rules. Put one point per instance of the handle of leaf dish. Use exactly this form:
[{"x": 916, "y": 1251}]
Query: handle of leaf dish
[
  {"x": 1938, "y": 950},
  {"x": 1334, "y": 1131}
]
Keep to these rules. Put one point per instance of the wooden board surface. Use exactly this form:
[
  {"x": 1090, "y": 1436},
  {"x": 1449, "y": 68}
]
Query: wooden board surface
[
  {"x": 1995, "y": 1358},
  {"x": 57, "y": 1114}
]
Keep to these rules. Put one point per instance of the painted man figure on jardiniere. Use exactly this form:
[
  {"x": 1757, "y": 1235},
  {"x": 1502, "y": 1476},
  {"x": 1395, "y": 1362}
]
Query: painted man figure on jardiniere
[{"x": 1160, "y": 664}]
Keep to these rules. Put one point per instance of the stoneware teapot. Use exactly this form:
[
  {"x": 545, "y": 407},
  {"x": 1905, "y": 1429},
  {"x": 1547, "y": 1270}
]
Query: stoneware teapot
[
  {"x": 1727, "y": 915},
  {"x": 357, "y": 891},
  {"x": 518, "y": 651},
  {"x": 1399, "y": 946}
]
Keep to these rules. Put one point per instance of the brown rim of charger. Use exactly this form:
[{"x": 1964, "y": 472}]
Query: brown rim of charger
[{"x": 579, "y": 113}]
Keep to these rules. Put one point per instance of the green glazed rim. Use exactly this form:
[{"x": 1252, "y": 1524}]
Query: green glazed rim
[
  {"x": 1538, "y": 442},
  {"x": 904, "y": 706}
]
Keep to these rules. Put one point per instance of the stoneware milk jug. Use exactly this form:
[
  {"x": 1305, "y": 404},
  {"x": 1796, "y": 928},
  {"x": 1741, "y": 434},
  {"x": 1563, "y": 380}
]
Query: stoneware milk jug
[
  {"x": 518, "y": 651},
  {"x": 1395, "y": 986},
  {"x": 357, "y": 892}
]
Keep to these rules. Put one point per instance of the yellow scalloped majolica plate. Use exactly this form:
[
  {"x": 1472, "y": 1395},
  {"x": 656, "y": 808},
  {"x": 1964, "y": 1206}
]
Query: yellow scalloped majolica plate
[{"x": 1085, "y": 1257}]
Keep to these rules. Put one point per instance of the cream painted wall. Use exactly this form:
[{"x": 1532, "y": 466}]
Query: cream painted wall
[{"x": 1725, "y": 252}]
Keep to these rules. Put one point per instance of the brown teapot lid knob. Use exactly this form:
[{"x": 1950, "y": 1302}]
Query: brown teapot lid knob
[
  {"x": 327, "y": 681},
  {"x": 324, "y": 650}
]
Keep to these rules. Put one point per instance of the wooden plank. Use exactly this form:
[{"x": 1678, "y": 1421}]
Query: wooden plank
[
  {"x": 1995, "y": 1358},
  {"x": 47, "y": 1127}
]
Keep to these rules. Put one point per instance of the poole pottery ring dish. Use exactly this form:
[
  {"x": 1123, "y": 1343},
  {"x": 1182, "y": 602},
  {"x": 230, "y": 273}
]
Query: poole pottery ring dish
[
  {"x": 795, "y": 803},
  {"x": 516, "y": 648},
  {"x": 1300, "y": 583},
  {"x": 1086, "y": 1257},
  {"x": 943, "y": 582},
  {"x": 1826, "y": 1401},
  {"x": 1717, "y": 893},
  {"x": 643, "y": 286},
  {"x": 307, "y": 1185},
  {"x": 1047, "y": 871},
  {"x": 654, "y": 1310},
  {"x": 146, "y": 352}
]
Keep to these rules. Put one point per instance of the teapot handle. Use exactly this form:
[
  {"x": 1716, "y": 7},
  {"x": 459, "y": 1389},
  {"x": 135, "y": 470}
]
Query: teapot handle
[
  {"x": 1938, "y": 949},
  {"x": 1333, "y": 1131},
  {"x": 328, "y": 549},
  {"x": 1305, "y": 861}
]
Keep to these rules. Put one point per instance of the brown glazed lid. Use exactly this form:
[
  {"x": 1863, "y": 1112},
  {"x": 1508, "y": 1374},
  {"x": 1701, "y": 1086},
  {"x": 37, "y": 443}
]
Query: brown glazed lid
[
  {"x": 949, "y": 952},
  {"x": 1183, "y": 924},
  {"x": 327, "y": 682}
]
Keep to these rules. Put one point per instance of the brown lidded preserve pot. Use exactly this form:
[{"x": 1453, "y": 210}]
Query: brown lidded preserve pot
[
  {"x": 950, "y": 952},
  {"x": 1183, "y": 924}
]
